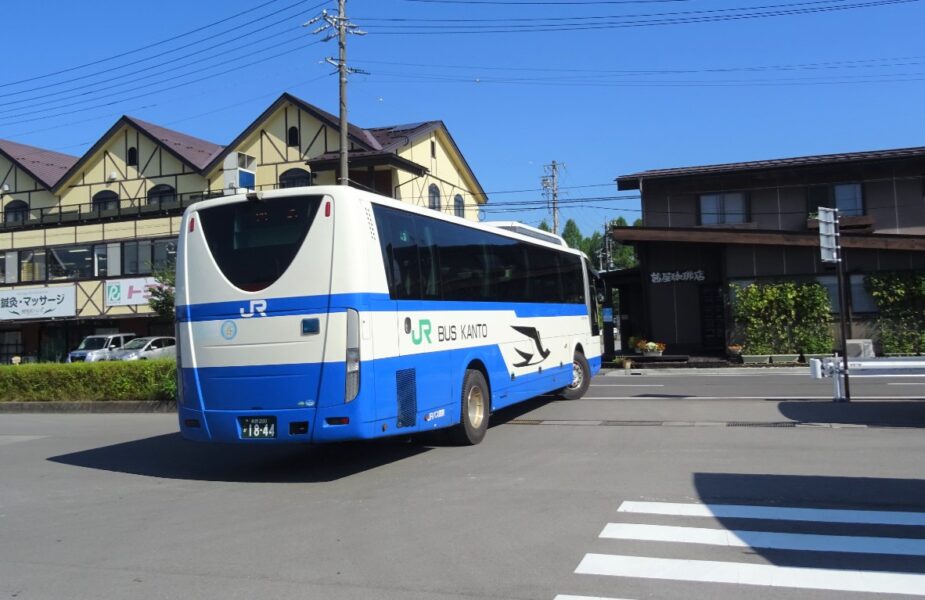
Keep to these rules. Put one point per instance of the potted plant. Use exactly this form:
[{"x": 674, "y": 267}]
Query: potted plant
[
  {"x": 640, "y": 346},
  {"x": 632, "y": 342},
  {"x": 734, "y": 349},
  {"x": 653, "y": 349}
]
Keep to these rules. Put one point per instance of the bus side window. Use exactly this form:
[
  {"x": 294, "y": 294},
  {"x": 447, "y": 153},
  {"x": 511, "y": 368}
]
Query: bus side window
[
  {"x": 427, "y": 253},
  {"x": 399, "y": 253}
]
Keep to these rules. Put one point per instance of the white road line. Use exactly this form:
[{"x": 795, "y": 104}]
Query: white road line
[
  {"x": 597, "y": 385},
  {"x": 765, "y": 539},
  {"x": 752, "y": 574},
  {"x": 782, "y": 398},
  {"x": 568, "y": 597},
  {"x": 906, "y": 383},
  {"x": 775, "y": 513}
]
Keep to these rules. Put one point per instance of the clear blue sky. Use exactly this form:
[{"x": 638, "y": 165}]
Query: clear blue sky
[{"x": 605, "y": 101}]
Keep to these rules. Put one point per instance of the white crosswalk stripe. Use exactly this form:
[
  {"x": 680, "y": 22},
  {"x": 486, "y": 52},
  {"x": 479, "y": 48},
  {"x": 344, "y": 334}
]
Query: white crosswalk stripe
[
  {"x": 765, "y": 539},
  {"x": 794, "y": 575}
]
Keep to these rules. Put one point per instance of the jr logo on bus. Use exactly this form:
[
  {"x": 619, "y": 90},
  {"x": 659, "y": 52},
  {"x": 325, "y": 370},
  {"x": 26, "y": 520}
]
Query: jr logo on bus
[
  {"x": 422, "y": 333},
  {"x": 257, "y": 307}
]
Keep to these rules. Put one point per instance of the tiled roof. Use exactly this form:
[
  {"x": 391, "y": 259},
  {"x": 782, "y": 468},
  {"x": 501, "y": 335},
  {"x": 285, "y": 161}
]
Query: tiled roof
[
  {"x": 44, "y": 165},
  {"x": 195, "y": 151},
  {"x": 392, "y": 137},
  {"x": 779, "y": 163}
]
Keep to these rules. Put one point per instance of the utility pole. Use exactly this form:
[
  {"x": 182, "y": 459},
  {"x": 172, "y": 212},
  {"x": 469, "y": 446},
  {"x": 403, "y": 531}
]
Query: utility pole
[
  {"x": 340, "y": 27},
  {"x": 550, "y": 183}
]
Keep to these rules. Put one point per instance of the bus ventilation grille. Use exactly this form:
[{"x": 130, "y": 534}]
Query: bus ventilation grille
[{"x": 407, "y": 388}]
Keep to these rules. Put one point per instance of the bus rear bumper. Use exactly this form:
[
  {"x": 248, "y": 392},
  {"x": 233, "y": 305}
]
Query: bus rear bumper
[{"x": 291, "y": 426}]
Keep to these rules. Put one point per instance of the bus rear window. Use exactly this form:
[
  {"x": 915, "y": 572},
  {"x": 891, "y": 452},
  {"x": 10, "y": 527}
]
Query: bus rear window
[{"x": 254, "y": 243}]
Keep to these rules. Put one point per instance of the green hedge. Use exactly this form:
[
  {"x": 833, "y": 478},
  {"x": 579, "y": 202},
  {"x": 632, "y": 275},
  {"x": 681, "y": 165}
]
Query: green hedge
[
  {"x": 783, "y": 318},
  {"x": 103, "y": 381}
]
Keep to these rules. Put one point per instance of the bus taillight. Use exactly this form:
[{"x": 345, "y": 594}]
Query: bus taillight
[{"x": 353, "y": 355}]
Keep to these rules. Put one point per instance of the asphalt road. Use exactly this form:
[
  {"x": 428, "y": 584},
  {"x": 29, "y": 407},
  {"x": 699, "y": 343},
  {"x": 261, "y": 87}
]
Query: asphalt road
[{"x": 653, "y": 486}]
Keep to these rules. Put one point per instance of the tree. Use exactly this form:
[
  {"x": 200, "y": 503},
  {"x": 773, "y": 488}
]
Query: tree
[
  {"x": 624, "y": 257},
  {"x": 162, "y": 296},
  {"x": 572, "y": 235},
  {"x": 637, "y": 223},
  {"x": 544, "y": 226}
]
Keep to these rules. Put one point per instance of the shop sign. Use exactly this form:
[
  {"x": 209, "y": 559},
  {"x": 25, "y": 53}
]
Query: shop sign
[
  {"x": 675, "y": 276},
  {"x": 129, "y": 292},
  {"x": 38, "y": 303}
]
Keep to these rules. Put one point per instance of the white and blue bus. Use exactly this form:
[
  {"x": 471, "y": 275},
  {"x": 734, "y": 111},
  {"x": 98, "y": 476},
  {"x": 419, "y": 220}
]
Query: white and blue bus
[{"x": 326, "y": 313}]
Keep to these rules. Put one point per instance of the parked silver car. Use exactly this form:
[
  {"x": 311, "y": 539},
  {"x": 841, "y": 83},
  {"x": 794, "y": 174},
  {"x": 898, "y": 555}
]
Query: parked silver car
[
  {"x": 144, "y": 348},
  {"x": 94, "y": 348}
]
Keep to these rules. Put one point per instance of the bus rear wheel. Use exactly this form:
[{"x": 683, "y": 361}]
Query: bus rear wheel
[
  {"x": 581, "y": 378},
  {"x": 474, "y": 409}
]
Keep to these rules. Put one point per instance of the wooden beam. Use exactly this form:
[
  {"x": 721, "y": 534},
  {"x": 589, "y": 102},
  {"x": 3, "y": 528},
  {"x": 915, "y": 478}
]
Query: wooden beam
[{"x": 764, "y": 238}]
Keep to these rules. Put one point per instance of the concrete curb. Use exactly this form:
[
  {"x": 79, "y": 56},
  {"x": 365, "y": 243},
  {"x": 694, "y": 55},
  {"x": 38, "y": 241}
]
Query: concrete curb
[
  {"x": 696, "y": 372},
  {"x": 89, "y": 407}
]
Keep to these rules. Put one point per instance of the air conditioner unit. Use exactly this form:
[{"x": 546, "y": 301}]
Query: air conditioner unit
[
  {"x": 860, "y": 348},
  {"x": 238, "y": 172}
]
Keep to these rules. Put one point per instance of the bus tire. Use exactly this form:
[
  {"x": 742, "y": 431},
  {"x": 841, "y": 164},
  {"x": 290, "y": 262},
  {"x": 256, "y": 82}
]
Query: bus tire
[
  {"x": 474, "y": 408},
  {"x": 581, "y": 378}
]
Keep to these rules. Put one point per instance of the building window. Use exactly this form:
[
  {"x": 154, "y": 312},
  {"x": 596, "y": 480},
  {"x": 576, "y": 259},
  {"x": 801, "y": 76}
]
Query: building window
[
  {"x": 433, "y": 148},
  {"x": 433, "y": 197},
  {"x": 132, "y": 158},
  {"x": 15, "y": 213},
  {"x": 106, "y": 201},
  {"x": 136, "y": 257},
  {"x": 459, "y": 207},
  {"x": 723, "y": 209},
  {"x": 69, "y": 262},
  {"x": 31, "y": 265},
  {"x": 848, "y": 198},
  {"x": 162, "y": 196},
  {"x": 164, "y": 253},
  {"x": 861, "y": 300},
  {"x": 830, "y": 283},
  {"x": 295, "y": 178},
  {"x": 10, "y": 345},
  {"x": 3, "y": 267},
  {"x": 292, "y": 139},
  {"x": 100, "y": 260},
  {"x": 144, "y": 256}
]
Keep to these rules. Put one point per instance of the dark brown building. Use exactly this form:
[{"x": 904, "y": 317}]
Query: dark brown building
[{"x": 707, "y": 227}]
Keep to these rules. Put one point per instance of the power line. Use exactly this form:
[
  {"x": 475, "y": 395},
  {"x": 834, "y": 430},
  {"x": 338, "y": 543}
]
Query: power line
[
  {"x": 863, "y": 63},
  {"x": 620, "y": 24},
  {"x": 550, "y": 3},
  {"x": 148, "y": 94},
  {"x": 142, "y": 48},
  {"x": 178, "y": 48}
]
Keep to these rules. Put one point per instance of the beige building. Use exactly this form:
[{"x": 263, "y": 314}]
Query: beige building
[{"x": 80, "y": 237}]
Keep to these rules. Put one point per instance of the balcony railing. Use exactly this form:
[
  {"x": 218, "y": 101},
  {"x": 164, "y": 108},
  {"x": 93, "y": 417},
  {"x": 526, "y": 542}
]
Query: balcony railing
[{"x": 108, "y": 210}]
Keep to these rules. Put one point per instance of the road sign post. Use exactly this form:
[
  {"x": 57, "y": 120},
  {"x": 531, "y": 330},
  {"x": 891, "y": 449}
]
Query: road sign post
[{"x": 831, "y": 252}]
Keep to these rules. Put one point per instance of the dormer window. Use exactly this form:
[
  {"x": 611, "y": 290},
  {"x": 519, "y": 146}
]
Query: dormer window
[
  {"x": 132, "y": 158},
  {"x": 292, "y": 139}
]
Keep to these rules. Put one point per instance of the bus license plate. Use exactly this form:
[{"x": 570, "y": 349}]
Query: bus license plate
[{"x": 258, "y": 427}]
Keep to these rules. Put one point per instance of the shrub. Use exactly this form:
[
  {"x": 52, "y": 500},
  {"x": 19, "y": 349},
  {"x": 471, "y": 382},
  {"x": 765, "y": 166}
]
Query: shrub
[
  {"x": 900, "y": 298},
  {"x": 103, "y": 381},
  {"x": 783, "y": 318}
]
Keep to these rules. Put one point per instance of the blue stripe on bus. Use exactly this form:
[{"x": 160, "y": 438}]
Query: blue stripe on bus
[
  {"x": 314, "y": 391},
  {"x": 303, "y": 305}
]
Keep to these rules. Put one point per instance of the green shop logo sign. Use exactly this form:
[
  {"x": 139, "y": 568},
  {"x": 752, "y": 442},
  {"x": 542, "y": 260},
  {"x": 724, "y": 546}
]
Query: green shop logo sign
[{"x": 422, "y": 333}]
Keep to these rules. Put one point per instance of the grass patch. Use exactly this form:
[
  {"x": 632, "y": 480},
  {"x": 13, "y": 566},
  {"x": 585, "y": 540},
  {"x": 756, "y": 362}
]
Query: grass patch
[{"x": 96, "y": 382}]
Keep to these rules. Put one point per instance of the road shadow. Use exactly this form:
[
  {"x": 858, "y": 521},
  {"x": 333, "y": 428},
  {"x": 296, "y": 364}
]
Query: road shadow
[
  {"x": 172, "y": 457},
  {"x": 874, "y": 414},
  {"x": 508, "y": 414},
  {"x": 843, "y": 493}
]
